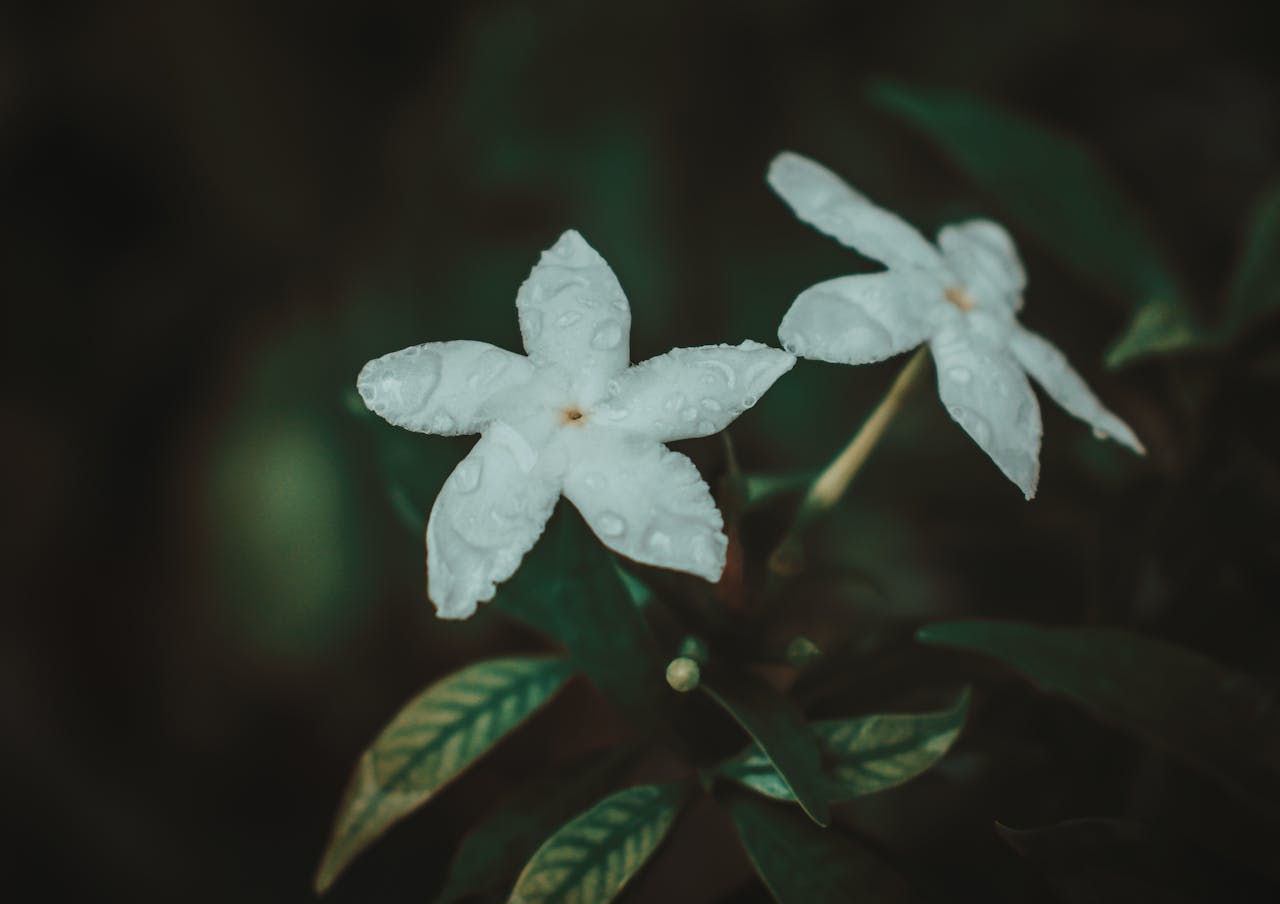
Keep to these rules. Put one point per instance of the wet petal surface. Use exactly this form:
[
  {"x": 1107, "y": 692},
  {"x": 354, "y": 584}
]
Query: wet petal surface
[
  {"x": 983, "y": 257},
  {"x": 692, "y": 392},
  {"x": 647, "y": 502},
  {"x": 440, "y": 387},
  {"x": 860, "y": 319}
]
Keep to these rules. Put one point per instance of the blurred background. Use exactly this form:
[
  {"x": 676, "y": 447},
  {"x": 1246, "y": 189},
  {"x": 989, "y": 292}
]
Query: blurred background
[{"x": 212, "y": 214}]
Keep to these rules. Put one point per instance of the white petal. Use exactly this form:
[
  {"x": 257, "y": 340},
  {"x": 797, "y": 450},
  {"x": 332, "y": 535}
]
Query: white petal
[
  {"x": 984, "y": 258},
  {"x": 860, "y": 319},
  {"x": 986, "y": 393},
  {"x": 647, "y": 502},
  {"x": 692, "y": 392},
  {"x": 440, "y": 387},
  {"x": 822, "y": 199},
  {"x": 489, "y": 513},
  {"x": 574, "y": 315},
  {"x": 1050, "y": 368}
]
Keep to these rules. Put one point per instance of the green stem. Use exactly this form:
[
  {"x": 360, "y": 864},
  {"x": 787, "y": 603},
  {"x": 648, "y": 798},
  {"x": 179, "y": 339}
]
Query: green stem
[{"x": 833, "y": 483}]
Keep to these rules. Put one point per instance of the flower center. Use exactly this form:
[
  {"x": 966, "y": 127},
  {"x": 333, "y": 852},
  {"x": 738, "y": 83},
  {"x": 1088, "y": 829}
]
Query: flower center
[
  {"x": 572, "y": 415},
  {"x": 960, "y": 298}
]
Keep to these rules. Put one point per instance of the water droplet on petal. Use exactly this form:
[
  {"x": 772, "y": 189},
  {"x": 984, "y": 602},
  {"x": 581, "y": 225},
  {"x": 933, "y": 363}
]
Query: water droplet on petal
[
  {"x": 674, "y": 402},
  {"x": 658, "y": 541},
  {"x": 568, "y": 318},
  {"x": 960, "y": 374},
  {"x": 607, "y": 335},
  {"x": 467, "y": 475},
  {"x": 712, "y": 405},
  {"x": 1099, "y": 433},
  {"x": 690, "y": 413},
  {"x": 442, "y": 423},
  {"x": 705, "y": 426},
  {"x": 611, "y": 525}
]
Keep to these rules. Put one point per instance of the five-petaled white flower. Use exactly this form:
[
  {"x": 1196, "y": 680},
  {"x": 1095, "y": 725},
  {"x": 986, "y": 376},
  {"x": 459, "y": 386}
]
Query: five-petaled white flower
[
  {"x": 573, "y": 418},
  {"x": 961, "y": 297}
]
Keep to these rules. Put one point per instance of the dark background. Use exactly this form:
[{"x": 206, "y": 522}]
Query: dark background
[{"x": 211, "y": 214}]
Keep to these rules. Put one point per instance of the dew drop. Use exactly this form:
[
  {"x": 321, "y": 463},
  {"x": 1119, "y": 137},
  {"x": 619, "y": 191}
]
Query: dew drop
[
  {"x": 467, "y": 475},
  {"x": 1100, "y": 433},
  {"x": 705, "y": 426},
  {"x": 442, "y": 423},
  {"x": 568, "y": 318},
  {"x": 674, "y": 402},
  {"x": 658, "y": 541},
  {"x": 611, "y": 525},
  {"x": 607, "y": 335},
  {"x": 712, "y": 405},
  {"x": 689, "y": 414}
]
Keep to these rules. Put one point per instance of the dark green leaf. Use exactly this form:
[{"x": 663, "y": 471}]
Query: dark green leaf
[
  {"x": 568, "y": 587},
  {"x": 1059, "y": 193},
  {"x": 496, "y": 849},
  {"x": 780, "y": 731},
  {"x": 1255, "y": 288},
  {"x": 1114, "y": 861},
  {"x": 1203, "y": 713},
  {"x": 865, "y": 755},
  {"x": 801, "y": 863},
  {"x": 429, "y": 742},
  {"x": 590, "y": 859}
]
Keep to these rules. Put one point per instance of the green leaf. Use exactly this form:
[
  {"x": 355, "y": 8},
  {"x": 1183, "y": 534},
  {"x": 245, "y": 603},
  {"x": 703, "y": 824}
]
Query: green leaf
[
  {"x": 781, "y": 733},
  {"x": 865, "y": 755},
  {"x": 568, "y": 587},
  {"x": 1210, "y": 717},
  {"x": 1061, "y": 194},
  {"x": 429, "y": 742},
  {"x": 592, "y": 858},
  {"x": 1115, "y": 861},
  {"x": 803, "y": 864},
  {"x": 496, "y": 849},
  {"x": 1255, "y": 287}
]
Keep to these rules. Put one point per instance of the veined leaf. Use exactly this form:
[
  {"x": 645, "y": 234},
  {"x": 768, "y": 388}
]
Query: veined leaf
[
  {"x": 441, "y": 732},
  {"x": 1059, "y": 192},
  {"x": 1255, "y": 287},
  {"x": 504, "y": 842},
  {"x": 862, "y": 756},
  {"x": 590, "y": 859},
  {"x": 801, "y": 863},
  {"x": 781, "y": 734},
  {"x": 1212, "y": 718},
  {"x": 569, "y": 587},
  {"x": 1116, "y": 861}
]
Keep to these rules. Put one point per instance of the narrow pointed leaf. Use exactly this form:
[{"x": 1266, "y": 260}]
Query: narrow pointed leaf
[
  {"x": 429, "y": 742},
  {"x": 1057, "y": 191},
  {"x": 590, "y": 859},
  {"x": 1255, "y": 287},
  {"x": 569, "y": 588},
  {"x": 801, "y": 863},
  {"x": 496, "y": 849},
  {"x": 785, "y": 740},
  {"x": 863, "y": 756},
  {"x": 1115, "y": 861},
  {"x": 1210, "y": 717}
]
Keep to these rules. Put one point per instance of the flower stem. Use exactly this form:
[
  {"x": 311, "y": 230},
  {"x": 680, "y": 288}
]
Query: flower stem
[{"x": 832, "y": 483}]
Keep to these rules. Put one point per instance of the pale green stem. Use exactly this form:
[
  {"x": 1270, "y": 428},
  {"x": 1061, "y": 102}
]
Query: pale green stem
[{"x": 834, "y": 482}]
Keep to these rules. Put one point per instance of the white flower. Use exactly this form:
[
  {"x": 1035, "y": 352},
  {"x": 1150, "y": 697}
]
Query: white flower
[
  {"x": 961, "y": 297},
  {"x": 572, "y": 418}
]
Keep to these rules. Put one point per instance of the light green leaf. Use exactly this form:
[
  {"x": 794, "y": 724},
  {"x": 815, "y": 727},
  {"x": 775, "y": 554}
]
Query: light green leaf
[
  {"x": 1210, "y": 717},
  {"x": 1255, "y": 287},
  {"x": 781, "y": 733},
  {"x": 865, "y": 755},
  {"x": 801, "y": 863},
  {"x": 568, "y": 587},
  {"x": 429, "y": 742},
  {"x": 1061, "y": 194},
  {"x": 498, "y": 847},
  {"x": 592, "y": 858}
]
